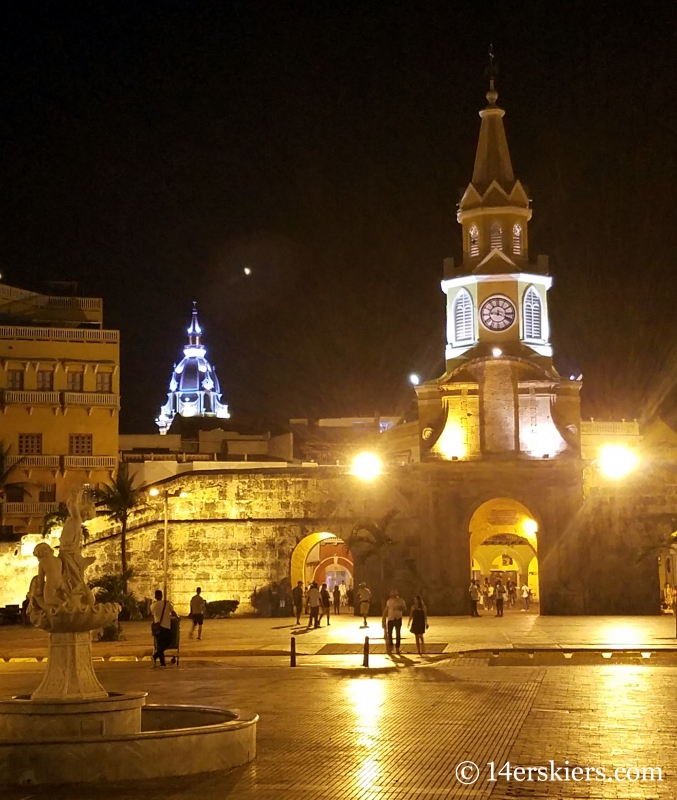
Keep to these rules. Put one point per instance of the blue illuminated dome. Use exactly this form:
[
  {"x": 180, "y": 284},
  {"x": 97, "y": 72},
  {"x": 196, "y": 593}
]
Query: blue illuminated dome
[{"x": 194, "y": 389}]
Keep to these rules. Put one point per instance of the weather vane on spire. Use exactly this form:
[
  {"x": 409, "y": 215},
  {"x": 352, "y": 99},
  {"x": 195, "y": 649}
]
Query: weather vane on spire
[{"x": 492, "y": 72}]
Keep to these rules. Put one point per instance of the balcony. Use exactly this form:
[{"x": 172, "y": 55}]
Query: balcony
[
  {"x": 34, "y": 462},
  {"x": 59, "y": 334},
  {"x": 11, "y": 397},
  {"x": 61, "y": 399},
  {"x": 29, "y": 509},
  {"x": 98, "y": 399},
  {"x": 20, "y": 302},
  {"x": 90, "y": 462}
]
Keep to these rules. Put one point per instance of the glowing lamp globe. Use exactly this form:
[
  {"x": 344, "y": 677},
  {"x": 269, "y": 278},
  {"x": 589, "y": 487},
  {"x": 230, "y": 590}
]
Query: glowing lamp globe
[
  {"x": 496, "y": 352},
  {"x": 616, "y": 461},
  {"x": 367, "y": 466},
  {"x": 530, "y": 526},
  {"x": 154, "y": 492},
  {"x": 414, "y": 379}
]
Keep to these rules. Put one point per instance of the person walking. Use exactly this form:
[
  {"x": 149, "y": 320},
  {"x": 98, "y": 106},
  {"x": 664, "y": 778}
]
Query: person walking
[
  {"x": 395, "y": 609},
  {"x": 512, "y": 593},
  {"x": 198, "y": 607},
  {"x": 350, "y": 598},
  {"x": 336, "y": 594},
  {"x": 499, "y": 594},
  {"x": 162, "y": 611},
  {"x": 488, "y": 592},
  {"x": 364, "y": 599},
  {"x": 274, "y": 594},
  {"x": 343, "y": 591},
  {"x": 297, "y": 601},
  {"x": 474, "y": 592},
  {"x": 418, "y": 623},
  {"x": 314, "y": 606},
  {"x": 325, "y": 603},
  {"x": 526, "y": 597}
]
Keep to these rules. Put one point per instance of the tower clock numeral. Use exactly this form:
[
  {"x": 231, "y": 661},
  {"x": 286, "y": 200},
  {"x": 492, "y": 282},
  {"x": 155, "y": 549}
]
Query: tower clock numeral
[{"x": 497, "y": 313}]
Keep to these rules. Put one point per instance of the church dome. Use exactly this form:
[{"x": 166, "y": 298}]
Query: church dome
[{"x": 194, "y": 389}]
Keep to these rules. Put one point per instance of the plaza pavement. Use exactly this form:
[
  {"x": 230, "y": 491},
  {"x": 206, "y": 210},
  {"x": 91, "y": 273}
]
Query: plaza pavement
[
  {"x": 241, "y": 636},
  {"x": 398, "y": 731}
]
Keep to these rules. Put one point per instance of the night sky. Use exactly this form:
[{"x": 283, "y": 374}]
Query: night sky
[{"x": 153, "y": 151}]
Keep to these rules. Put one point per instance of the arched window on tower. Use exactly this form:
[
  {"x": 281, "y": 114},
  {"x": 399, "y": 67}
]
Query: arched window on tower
[
  {"x": 474, "y": 241},
  {"x": 532, "y": 314},
  {"x": 496, "y": 236},
  {"x": 463, "y": 314},
  {"x": 517, "y": 239}
]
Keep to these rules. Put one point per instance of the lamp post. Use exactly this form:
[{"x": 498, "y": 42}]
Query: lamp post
[{"x": 165, "y": 546}]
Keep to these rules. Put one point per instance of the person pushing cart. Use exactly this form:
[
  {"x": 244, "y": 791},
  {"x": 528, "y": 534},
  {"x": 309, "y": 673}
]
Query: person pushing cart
[{"x": 165, "y": 628}]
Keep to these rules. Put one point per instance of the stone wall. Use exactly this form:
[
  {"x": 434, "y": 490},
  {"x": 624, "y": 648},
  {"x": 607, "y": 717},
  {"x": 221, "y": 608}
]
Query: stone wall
[{"x": 235, "y": 532}]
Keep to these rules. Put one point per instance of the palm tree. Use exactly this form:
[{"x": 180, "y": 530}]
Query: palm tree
[
  {"x": 53, "y": 519},
  {"x": 7, "y": 470},
  {"x": 374, "y": 534},
  {"x": 120, "y": 498}
]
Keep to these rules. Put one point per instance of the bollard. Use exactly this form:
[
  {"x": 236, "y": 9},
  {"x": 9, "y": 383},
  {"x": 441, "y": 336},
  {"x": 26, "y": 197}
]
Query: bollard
[
  {"x": 292, "y": 652},
  {"x": 365, "y": 660}
]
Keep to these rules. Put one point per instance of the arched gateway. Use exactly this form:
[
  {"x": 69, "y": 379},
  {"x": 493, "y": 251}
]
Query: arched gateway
[
  {"x": 504, "y": 543},
  {"x": 324, "y": 558}
]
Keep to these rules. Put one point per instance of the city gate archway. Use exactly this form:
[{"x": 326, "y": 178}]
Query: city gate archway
[
  {"x": 322, "y": 557},
  {"x": 504, "y": 543}
]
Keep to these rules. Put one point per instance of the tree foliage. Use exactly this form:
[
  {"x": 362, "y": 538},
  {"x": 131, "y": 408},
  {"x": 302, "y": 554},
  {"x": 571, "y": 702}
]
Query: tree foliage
[
  {"x": 120, "y": 499},
  {"x": 53, "y": 519}
]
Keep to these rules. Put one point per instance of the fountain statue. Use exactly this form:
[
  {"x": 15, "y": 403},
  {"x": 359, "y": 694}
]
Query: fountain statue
[
  {"x": 61, "y": 603},
  {"x": 71, "y": 730}
]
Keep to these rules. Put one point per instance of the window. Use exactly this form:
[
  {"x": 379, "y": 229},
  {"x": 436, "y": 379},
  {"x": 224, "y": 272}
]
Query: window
[
  {"x": 30, "y": 444},
  {"x": 496, "y": 236},
  {"x": 80, "y": 444},
  {"x": 532, "y": 314},
  {"x": 463, "y": 313},
  {"x": 74, "y": 381},
  {"x": 474, "y": 241},
  {"x": 517, "y": 240},
  {"x": 48, "y": 493},
  {"x": 15, "y": 379},
  {"x": 104, "y": 381},
  {"x": 45, "y": 380},
  {"x": 14, "y": 494},
  {"x": 89, "y": 492}
]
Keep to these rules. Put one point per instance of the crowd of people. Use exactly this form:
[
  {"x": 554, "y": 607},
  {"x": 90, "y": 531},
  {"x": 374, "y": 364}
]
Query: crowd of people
[
  {"x": 318, "y": 602},
  {"x": 494, "y": 596}
]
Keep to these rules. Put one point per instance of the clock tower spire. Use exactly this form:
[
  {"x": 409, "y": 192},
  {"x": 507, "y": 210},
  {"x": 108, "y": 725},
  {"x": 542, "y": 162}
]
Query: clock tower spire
[
  {"x": 501, "y": 394},
  {"x": 496, "y": 297}
]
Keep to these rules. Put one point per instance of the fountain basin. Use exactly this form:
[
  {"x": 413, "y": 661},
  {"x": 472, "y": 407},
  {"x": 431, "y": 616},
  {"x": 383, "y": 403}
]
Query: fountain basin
[
  {"x": 25, "y": 720},
  {"x": 173, "y": 740}
]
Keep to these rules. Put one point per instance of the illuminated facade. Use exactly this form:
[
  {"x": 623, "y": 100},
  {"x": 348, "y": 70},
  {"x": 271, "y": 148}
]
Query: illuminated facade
[
  {"x": 500, "y": 393},
  {"x": 194, "y": 389},
  {"x": 59, "y": 376},
  {"x": 497, "y": 475}
]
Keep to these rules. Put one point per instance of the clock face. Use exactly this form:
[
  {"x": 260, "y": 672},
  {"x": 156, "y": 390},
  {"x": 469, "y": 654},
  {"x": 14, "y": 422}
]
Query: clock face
[{"x": 497, "y": 313}]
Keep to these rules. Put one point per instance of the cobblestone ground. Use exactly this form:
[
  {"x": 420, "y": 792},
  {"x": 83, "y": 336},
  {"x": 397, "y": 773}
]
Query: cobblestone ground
[
  {"x": 400, "y": 730},
  {"x": 241, "y": 634}
]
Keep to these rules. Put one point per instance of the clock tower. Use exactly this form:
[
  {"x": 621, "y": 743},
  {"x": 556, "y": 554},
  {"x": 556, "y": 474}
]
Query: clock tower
[{"x": 500, "y": 394}]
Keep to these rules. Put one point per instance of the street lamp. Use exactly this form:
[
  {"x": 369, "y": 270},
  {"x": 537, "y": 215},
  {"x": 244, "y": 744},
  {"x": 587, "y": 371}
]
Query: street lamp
[
  {"x": 616, "y": 461},
  {"x": 367, "y": 466},
  {"x": 165, "y": 548}
]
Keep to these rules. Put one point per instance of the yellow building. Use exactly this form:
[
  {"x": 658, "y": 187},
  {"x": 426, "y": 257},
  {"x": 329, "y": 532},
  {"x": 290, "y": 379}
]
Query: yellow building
[{"x": 59, "y": 382}]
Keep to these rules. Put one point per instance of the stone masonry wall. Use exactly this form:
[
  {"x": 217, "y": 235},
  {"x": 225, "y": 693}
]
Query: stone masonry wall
[{"x": 235, "y": 533}]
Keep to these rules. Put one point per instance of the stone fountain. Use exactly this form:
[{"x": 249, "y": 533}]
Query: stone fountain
[{"x": 71, "y": 729}]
